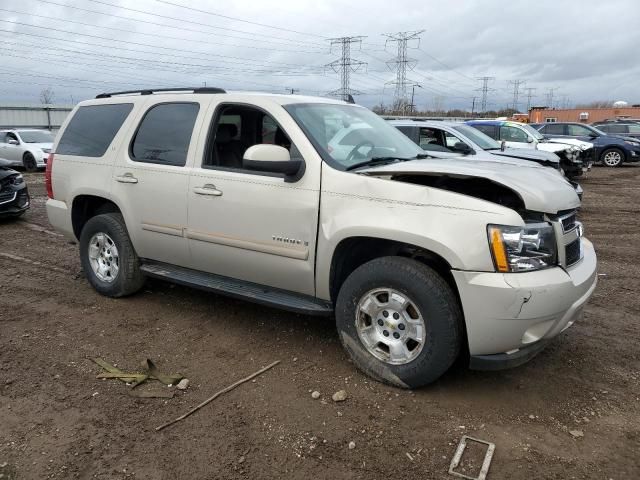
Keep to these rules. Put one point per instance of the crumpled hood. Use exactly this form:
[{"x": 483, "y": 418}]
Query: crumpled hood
[
  {"x": 541, "y": 188},
  {"x": 569, "y": 141},
  {"x": 539, "y": 156}
]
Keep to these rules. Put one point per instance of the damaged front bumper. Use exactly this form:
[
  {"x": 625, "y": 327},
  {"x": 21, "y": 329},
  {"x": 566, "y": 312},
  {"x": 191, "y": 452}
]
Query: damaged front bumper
[{"x": 510, "y": 317}]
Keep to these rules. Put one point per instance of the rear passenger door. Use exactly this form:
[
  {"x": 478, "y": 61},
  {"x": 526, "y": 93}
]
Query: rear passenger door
[{"x": 151, "y": 177}]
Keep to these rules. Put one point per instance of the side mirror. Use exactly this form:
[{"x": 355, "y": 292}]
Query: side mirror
[
  {"x": 529, "y": 139},
  {"x": 273, "y": 159},
  {"x": 13, "y": 141},
  {"x": 593, "y": 135},
  {"x": 462, "y": 148}
]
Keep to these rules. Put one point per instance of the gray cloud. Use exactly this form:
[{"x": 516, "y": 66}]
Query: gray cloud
[{"x": 584, "y": 48}]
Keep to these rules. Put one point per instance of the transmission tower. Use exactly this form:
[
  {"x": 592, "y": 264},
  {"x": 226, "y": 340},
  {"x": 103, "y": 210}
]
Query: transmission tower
[
  {"x": 550, "y": 92},
  {"x": 401, "y": 63},
  {"x": 516, "y": 91},
  {"x": 530, "y": 95},
  {"x": 345, "y": 65},
  {"x": 484, "y": 89}
]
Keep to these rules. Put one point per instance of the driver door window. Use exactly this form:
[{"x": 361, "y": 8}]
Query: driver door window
[{"x": 234, "y": 129}]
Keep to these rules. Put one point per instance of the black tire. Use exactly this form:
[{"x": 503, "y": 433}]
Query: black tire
[
  {"x": 129, "y": 278},
  {"x": 612, "y": 157},
  {"x": 29, "y": 162},
  {"x": 436, "y": 302}
]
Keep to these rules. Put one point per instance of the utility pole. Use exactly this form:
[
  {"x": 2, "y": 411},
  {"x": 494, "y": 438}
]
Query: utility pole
[
  {"x": 516, "y": 92},
  {"x": 413, "y": 92},
  {"x": 400, "y": 64},
  {"x": 473, "y": 105},
  {"x": 484, "y": 89},
  {"x": 345, "y": 65},
  {"x": 550, "y": 92},
  {"x": 530, "y": 95}
]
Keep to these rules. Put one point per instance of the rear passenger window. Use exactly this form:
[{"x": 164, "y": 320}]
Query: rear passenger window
[
  {"x": 92, "y": 128},
  {"x": 165, "y": 133}
]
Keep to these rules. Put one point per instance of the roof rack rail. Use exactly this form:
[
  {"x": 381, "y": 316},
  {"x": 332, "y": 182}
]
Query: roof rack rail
[{"x": 150, "y": 91}]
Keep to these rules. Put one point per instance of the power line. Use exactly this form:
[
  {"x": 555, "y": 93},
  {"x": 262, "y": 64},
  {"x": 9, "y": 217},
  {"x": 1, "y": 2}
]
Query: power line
[
  {"x": 401, "y": 63},
  {"x": 236, "y": 19},
  {"x": 516, "y": 91},
  {"x": 549, "y": 96},
  {"x": 484, "y": 89},
  {"x": 345, "y": 65}
]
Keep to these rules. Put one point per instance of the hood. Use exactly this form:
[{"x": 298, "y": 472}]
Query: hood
[
  {"x": 6, "y": 171},
  {"x": 571, "y": 141},
  {"x": 41, "y": 146},
  {"x": 540, "y": 188},
  {"x": 539, "y": 156}
]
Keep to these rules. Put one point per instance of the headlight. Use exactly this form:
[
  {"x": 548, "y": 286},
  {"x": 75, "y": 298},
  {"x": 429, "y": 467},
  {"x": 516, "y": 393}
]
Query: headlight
[
  {"x": 633, "y": 144},
  {"x": 46, "y": 150},
  {"x": 522, "y": 249},
  {"x": 16, "y": 179}
]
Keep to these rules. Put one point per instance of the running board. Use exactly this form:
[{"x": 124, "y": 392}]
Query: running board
[{"x": 253, "y": 292}]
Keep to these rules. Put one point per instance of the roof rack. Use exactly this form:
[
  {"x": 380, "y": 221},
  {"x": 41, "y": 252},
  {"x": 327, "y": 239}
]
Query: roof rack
[{"x": 150, "y": 91}]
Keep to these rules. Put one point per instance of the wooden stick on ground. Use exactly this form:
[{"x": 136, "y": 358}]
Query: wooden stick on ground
[{"x": 216, "y": 395}]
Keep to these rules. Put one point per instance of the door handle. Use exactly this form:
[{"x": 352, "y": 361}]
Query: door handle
[
  {"x": 208, "y": 189},
  {"x": 126, "y": 178}
]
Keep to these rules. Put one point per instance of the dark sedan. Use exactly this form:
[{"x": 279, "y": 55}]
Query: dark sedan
[
  {"x": 611, "y": 150},
  {"x": 14, "y": 195}
]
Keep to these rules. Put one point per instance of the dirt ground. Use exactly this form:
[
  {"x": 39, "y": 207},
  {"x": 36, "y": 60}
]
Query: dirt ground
[{"x": 58, "y": 421}]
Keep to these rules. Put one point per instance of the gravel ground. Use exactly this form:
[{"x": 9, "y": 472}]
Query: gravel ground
[{"x": 571, "y": 413}]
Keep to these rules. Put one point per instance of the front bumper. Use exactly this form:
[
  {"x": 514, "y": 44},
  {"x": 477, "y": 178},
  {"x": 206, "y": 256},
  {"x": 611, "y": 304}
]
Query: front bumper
[
  {"x": 513, "y": 315},
  {"x": 634, "y": 155},
  {"x": 14, "y": 201}
]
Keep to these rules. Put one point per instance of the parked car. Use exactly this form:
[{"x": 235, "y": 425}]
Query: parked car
[
  {"x": 452, "y": 139},
  {"x": 611, "y": 150},
  {"x": 620, "y": 129},
  {"x": 14, "y": 194},
  {"x": 26, "y": 148},
  {"x": 576, "y": 156},
  {"x": 418, "y": 258}
]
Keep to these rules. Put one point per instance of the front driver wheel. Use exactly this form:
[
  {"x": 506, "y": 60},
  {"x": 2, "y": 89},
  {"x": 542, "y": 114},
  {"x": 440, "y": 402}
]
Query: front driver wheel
[
  {"x": 108, "y": 257},
  {"x": 29, "y": 162},
  {"x": 612, "y": 157},
  {"x": 399, "y": 321}
]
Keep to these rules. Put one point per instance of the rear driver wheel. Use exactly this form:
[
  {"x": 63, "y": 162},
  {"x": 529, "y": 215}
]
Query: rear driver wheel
[{"x": 108, "y": 257}]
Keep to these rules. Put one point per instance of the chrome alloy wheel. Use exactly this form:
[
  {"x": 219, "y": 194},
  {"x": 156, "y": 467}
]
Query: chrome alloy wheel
[
  {"x": 390, "y": 326},
  {"x": 103, "y": 257},
  {"x": 612, "y": 159}
]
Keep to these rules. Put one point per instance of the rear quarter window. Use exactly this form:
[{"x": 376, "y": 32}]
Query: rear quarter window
[{"x": 92, "y": 128}]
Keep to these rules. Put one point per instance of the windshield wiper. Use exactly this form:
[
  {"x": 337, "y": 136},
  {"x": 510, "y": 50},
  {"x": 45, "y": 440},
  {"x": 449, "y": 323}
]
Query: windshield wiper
[{"x": 372, "y": 162}]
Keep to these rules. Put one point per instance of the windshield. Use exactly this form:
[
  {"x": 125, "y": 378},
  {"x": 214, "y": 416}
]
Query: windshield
[
  {"x": 484, "y": 141},
  {"x": 532, "y": 131},
  {"x": 36, "y": 136},
  {"x": 347, "y": 135}
]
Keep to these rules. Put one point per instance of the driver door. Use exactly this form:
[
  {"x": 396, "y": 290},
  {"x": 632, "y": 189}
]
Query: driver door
[{"x": 249, "y": 225}]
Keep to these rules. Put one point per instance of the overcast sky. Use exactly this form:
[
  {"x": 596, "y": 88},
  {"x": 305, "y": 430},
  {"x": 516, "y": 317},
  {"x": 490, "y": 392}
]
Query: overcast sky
[{"x": 585, "y": 50}]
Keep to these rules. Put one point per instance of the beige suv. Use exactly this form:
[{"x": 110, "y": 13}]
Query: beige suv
[{"x": 252, "y": 196}]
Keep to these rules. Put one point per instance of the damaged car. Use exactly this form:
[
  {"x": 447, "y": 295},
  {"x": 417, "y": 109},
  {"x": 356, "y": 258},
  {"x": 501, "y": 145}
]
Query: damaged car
[
  {"x": 576, "y": 156},
  {"x": 14, "y": 194},
  {"x": 419, "y": 260}
]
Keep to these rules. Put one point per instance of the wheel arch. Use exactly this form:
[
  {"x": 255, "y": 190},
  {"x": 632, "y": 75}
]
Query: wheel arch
[{"x": 85, "y": 206}]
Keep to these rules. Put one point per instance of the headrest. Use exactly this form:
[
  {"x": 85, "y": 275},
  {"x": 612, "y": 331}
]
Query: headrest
[{"x": 226, "y": 131}]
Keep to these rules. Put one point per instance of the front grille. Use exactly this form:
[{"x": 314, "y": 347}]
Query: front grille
[
  {"x": 572, "y": 252},
  {"x": 568, "y": 222}
]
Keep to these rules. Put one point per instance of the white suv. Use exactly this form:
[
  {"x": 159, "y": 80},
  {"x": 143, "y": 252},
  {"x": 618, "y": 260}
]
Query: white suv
[
  {"x": 28, "y": 148},
  {"x": 239, "y": 193}
]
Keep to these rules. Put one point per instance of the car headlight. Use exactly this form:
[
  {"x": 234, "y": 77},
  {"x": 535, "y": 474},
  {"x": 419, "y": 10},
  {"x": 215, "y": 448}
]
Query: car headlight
[
  {"x": 16, "y": 179},
  {"x": 522, "y": 249},
  {"x": 633, "y": 144},
  {"x": 46, "y": 150}
]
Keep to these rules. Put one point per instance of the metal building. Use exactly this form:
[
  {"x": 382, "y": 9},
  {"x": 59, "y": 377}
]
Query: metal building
[{"x": 49, "y": 117}]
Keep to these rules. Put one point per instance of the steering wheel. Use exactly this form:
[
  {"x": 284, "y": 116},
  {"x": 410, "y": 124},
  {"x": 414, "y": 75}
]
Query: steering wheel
[{"x": 355, "y": 149}]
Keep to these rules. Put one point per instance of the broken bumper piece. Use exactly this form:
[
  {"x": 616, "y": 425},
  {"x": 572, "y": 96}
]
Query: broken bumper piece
[{"x": 511, "y": 317}]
